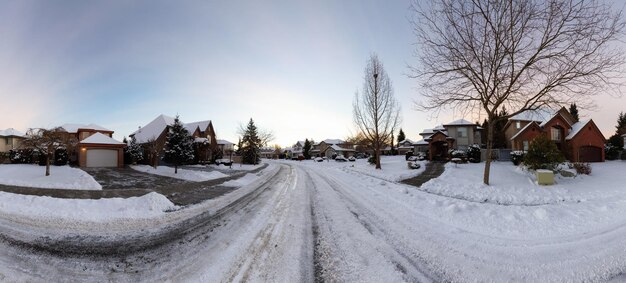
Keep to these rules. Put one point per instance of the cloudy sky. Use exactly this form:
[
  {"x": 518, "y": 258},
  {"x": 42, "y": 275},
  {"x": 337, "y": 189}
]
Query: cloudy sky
[{"x": 292, "y": 66}]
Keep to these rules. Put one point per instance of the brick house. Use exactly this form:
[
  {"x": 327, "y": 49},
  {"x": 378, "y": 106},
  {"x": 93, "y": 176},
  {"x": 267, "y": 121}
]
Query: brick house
[
  {"x": 96, "y": 146},
  {"x": 155, "y": 134},
  {"x": 580, "y": 141}
]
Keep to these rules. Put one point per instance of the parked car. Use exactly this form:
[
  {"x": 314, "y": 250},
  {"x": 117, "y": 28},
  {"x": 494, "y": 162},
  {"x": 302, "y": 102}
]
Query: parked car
[
  {"x": 225, "y": 161},
  {"x": 319, "y": 159},
  {"x": 412, "y": 158},
  {"x": 340, "y": 158},
  {"x": 352, "y": 158},
  {"x": 360, "y": 156}
]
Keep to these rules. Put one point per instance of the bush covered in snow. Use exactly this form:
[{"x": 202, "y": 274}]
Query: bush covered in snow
[
  {"x": 581, "y": 168},
  {"x": 22, "y": 156},
  {"x": 473, "y": 153},
  {"x": 517, "y": 156},
  {"x": 543, "y": 154},
  {"x": 455, "y": 153}
]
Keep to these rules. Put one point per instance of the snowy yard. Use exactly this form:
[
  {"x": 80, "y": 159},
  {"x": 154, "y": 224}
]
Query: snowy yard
[
  {"x": 394, "y": 168},
  {"x": 61, "y": 177},
  {"x": 183, "y": 174}
]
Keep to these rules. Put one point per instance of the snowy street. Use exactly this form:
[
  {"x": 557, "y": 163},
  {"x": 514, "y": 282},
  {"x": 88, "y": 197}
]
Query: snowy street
[{"x": 309, "y": 221}]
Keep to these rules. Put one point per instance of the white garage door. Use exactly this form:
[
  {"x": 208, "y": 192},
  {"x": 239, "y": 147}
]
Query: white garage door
[{"x": 101, "y": 158}]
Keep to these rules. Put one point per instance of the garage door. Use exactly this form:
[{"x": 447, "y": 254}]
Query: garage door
[
  {"x": 101, "y": 158},
  {"x": 590, "y": 154}
]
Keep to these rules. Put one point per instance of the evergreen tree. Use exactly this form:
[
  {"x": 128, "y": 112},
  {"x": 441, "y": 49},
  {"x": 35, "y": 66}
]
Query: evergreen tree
[
  {"x": 574, "y": 111},
  {"x": 306, "y": 149},
  {"x": 620, "y": 129},
  {"x": 251, "y": 143},
  {"x": 238, "y": 151},
  {"x": 179, "y": 145},
  {"x": 135, "y": 151},
  {"x": 401, "y": 136}
]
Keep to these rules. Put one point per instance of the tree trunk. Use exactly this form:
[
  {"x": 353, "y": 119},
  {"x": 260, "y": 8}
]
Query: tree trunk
[
  {"x": 489, "y": 146},
  {"x": 378, "y": 156},
  {"x": 48, "y": 164},
  {"x": 175, "y": 169}
]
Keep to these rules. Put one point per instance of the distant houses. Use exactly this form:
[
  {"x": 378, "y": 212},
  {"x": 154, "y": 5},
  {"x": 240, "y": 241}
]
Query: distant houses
[
  {"x": 458, "y": 134},
  {"x": 10, "y": 139}
]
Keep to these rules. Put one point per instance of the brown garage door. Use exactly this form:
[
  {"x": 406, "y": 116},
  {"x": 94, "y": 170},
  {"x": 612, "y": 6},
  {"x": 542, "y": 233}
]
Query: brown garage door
[{"x": 589, "y": 154}]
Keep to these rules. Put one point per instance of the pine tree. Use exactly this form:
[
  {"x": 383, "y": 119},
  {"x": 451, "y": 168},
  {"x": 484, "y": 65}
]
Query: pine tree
[
  {"x": 574, "y": 111},
  {"x": 251, "y": 144},
  {"x": 306, "y": 149},
  {"x": 238, "y": 151},
  {"x": 135, "y": 151},
  {"x": 401, "y": 136},
  {"x": 620, "y": 129},
  {"x": 179, "y": 145}
]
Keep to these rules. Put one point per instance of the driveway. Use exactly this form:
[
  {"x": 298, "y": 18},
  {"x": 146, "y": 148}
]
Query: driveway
[{"x": 127, "y": 178}]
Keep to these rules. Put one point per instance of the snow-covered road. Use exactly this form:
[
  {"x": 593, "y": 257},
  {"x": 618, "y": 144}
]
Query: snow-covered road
[{"x": 307, "y": 222}]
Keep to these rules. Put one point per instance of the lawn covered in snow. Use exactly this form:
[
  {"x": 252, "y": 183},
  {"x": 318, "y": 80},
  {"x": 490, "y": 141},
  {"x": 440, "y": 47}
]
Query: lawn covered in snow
[
  {"x": 184, "y": 174},
  {"x": 393, "y": 168},
  {"x": 15, "y": 206},
  {"x": 61, "y": 177}
]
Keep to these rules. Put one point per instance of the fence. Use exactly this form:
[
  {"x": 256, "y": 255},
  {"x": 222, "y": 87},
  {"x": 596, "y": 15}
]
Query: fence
[{"x": 497, "y": 154}]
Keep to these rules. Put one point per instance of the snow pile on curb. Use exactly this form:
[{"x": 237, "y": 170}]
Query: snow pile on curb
[
  {"x": 61, "y": 177},
  {"x": 183, "y": 174},
  {"x": 83, "y": 210}
]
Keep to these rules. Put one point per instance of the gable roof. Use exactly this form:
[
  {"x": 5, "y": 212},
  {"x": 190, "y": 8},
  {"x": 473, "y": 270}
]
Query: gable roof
[
  {"x": 539, "y": 115},
  {"x": 73, "y": 128},
  {"x": 191, "y": 127},
  {"x": 420, "y": 142},
  {"x": 10, "y": 132},
  {"x": 338, "y": 148},
  {"x": 524, "y": 129},
  {"x": 460, "y": 122},
  {"x": 578, "y": 126},
  {"x": 333, "y": 141},
  {"x": 406, "y": 140},
  {"x": 153, "y": 129},
  {"x": 100, "y": 138}
]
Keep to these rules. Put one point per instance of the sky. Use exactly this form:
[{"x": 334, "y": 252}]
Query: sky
[{"x": 292, "y": 66}]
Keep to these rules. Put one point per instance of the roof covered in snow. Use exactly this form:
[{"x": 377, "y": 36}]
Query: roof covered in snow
[
  {"x": 576, "y": 128},
  {"x": 10, "y": 132},
  {"x": 523, "y": 129},
  {"x": 406, "y": 140},
  {"x": 153, "y": 129},
  {"x": 191, "y": 127},
  {"x": 100, "y": 138},
  {"x": 73, "y": 128},
  {"x": 338, "y": 148},
  {"x": 333, "y": 141},
  {"x": 460, "y": 122},
  {"x": 224, "y": 142},
  {"x": 420, "y": 142},
  {"x": 539, "y": 115}
]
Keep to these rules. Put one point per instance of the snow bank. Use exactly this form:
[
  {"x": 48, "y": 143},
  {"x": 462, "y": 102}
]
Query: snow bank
[
  {"x": 183, "y": 174},
  {"x": 83, "y": 210},
  {"x": 61, "y": 177}
]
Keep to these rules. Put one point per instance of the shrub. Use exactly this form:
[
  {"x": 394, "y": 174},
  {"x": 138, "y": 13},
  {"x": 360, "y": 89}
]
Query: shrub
[
  {"x": 60, "y": 157},
  {"x": 543, "y": 154},
  {"x": 455, "y": 153},
  {"x": 517, "y": 157},
  {"x": 623, "y": 156},
  {"x": 407, "y": 155},
  {"x": 611, "y": 152},
  {"x": 582, "y": 168},
  {"x": 4, "y": 157},
  {"x": 21, "y": 156},
  {"x": 473, "y": 153},
  {"x": 372, "y": 159}
]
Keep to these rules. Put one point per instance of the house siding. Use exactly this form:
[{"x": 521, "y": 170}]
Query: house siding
[{"x": 589, "y": 136}]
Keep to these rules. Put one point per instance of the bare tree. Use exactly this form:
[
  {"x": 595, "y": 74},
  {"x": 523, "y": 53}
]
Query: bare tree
[
  {"x": 376, "y": 112},
  {"x": 481, "y": 56},
  {"x": 46, "y": 142}
]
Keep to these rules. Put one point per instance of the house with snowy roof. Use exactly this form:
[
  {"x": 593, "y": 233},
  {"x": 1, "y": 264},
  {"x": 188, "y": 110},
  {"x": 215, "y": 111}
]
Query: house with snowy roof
[
  {"x": 96, "y": 146},
  {"x": 458, "y": 134},
  {"x": 10, "y": 139},
  {"x": 405, "y": 146},
  {"x": 334, "y": 147},
  {"x": 154, "y": 134},
  {"x": 580, "y": 141}
]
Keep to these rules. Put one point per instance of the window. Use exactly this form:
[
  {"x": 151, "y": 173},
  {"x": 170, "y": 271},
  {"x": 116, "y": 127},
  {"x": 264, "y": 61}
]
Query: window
[
  {"x": 525, "y": 145},
  {"x": 555, "y": 133},
  {"x": 518, "y": 124},
  {"x": 461, "y": 132}
]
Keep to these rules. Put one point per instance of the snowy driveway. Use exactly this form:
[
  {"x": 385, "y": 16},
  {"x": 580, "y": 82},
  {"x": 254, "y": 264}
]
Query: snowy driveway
[
  {"x": 309, "y": 222},
  {"x": 126, "y": 178}
]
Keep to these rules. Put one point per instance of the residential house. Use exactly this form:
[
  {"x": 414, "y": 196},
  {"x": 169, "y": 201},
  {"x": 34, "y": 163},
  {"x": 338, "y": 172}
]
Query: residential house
[
  {"x": 580, "y": 141},
  {"x": 95, "y": 146},
  {"x": 295, "y": 151},
  {"x": 225, "y": 147},
  {"x": 154, "y": 134},
  {"x": 268, "y": 152},
  {"x": 334, "y": 147},
  {"x": 458, "y": 134},
  {"x": 10, "y": 139},
  {"x": 405, "y": 146}
]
